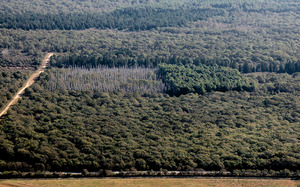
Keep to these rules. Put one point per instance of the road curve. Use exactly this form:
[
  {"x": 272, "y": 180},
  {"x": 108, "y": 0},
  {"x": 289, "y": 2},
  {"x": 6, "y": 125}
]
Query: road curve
[{"x": 28, "y": 83}]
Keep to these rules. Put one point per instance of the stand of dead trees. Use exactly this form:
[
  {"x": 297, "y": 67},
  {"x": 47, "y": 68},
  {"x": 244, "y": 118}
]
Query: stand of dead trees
[{"x": 142, "y": 80}]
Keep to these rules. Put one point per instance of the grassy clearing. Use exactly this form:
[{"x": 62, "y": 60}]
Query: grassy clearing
[{"x": 147, "y": 182}]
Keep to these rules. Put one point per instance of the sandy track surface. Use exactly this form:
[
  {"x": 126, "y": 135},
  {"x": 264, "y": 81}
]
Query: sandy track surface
[{"x": 28, "y": 83}]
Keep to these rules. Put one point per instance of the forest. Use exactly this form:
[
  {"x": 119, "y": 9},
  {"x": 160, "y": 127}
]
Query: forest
[
  {"x": 75, "y": 130},
  {"x": 10, "y": 82},
  {"x": 151, "y": 85},
  {"x": 200, "y": 79},
  {"x": 129, "y": 18}
]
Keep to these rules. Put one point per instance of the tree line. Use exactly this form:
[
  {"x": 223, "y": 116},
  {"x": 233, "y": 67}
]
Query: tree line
[
  {"x": 133, "y": 19},
  {"x": 126, "y": 58}
]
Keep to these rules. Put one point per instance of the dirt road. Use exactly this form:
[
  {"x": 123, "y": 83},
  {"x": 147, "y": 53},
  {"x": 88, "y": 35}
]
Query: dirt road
[{"x": 28, "y": 83}]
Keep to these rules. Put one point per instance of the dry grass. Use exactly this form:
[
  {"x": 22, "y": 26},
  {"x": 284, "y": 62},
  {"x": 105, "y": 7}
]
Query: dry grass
[{"x": 149, "y": 182}]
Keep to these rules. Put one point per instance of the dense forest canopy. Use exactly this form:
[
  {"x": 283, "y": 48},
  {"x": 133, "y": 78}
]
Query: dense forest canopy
[
  {"x": 144, "y": 17},
  {"x": 73, "y": 130},
  {"x": 252, "y": 36},
  {"x": 151, "y": 85},
  {"x": 200, "y": 79},
  {"x": 67, "y": 6},
  {"x": 10, "y": 82},
  {"x": 205, "y": 42}
]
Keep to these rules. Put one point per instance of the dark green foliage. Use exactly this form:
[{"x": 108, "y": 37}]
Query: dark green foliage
[
  {"x": 136, "y": 18},
  {"x": 129, "y": 18},
  {"x": 103, "y": 14},
  {"x": 128, "y": 58},
  {"x": 15, "y": 59},
  {"x": 291, "y": 67},
  {"x": 200, "y": 44},
  {"x": 10, "y": 82},
  {"x": 90, "y": 48},
  {"x": 200, "y": 79},
  {"x": 252, "y": 36},
  {"x": 72, "y": 131},
  {"x": 68, "y": 6},
  {"x": 119, "y": 58}
]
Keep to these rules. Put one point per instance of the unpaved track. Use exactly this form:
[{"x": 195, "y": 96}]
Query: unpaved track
[{"x": 28, "y": 83}]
